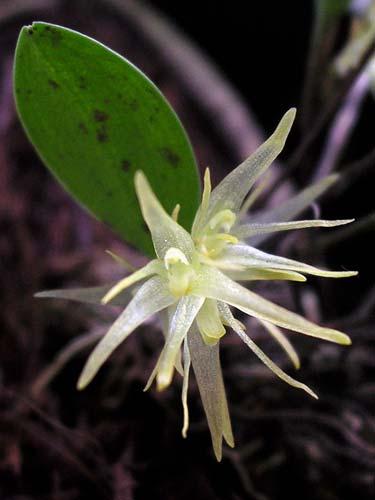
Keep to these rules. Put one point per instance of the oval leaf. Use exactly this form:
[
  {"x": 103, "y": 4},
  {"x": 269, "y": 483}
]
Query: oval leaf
[{"x": 95, "y": 119}]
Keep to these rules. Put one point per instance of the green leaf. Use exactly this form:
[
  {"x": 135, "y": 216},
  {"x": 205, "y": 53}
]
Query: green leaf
[{"x": 95, "y": 120}]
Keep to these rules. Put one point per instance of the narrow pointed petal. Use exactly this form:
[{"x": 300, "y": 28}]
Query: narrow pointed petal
[
  {"x": 227, "y": 315},
  {"x": 149, "y": 269},
  {"x": 152, "y": 297},
  {"x": 167, "y": 316},
  {"x": 254, "y": 195},
  {"x": 186, "y": 311},
  {"x": 291, "y": 208},
  {"x": 207, "y": 369},
  {"x": 235, "y": 256},
  {"x": 232, "y": 190},
  {"x": 165, "y": 232},
  {"x": 249, "y": 230},
  {"x": 215, "y": 285},
  {"x": 152, "y": 376},
  {"x": 282, "y": 339},
  {"x": 201, "y": 215},
  {"x": 122, "y": 261},
  {"x": 209, "y": 323},
  {"x": 264, "y": 274},
  {"x": 90, "y": 295},
  {"x": 176, "y": 212},
  {"x": 185, "y": 386}
]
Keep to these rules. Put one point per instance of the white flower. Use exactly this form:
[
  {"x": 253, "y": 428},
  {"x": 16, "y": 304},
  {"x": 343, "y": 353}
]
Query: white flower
[{"x": 193, "y": 282}]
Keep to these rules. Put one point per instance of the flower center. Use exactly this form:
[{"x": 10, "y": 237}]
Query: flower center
[
  {"x": 215, "y": 235},
  {"x": 180, "y": 272}
]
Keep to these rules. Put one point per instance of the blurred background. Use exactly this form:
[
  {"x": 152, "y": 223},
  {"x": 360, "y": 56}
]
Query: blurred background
[{"x": 230, "y": 71}]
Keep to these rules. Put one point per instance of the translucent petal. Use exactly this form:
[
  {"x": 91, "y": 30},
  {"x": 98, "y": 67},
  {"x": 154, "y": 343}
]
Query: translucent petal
[
  {"x": 185, "y": 386},
  {"x": 261, "y": 355},
  {"x": 122, "y": 261},
  {"x": 278, "y": 335},
  {"x": 232, "y": 190},
  {"x": 167, "y": 316},
  {"x": 164, "y": 230},
  {"x": 215, "y": 285},
  {"x": 149, "y": 269},
  {"x": 90, "y": 295},
  {"x": 186, "y": 311},
  {"x": 235, "y": 256},
  {"x": 291, "y": 208},
  {"x": 248, "y": 230},
  {"x": 264, "y": 274},
  {"x": 254, "y": 195},
  {"x": 176, "y": 211},
  {"x": 152, "y": 297},
  {"x": 201, "y": 215},
  {"x": 209, "y": 323},
  {"x": 207, "y": 369}
]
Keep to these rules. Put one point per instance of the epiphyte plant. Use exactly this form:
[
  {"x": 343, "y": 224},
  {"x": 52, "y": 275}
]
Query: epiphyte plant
[{"x": 193, "y": 279}]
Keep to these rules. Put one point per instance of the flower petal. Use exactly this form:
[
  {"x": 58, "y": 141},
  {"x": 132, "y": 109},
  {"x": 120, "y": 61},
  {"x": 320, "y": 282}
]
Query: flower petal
[
  {"x": 152, "y": 297},
  {"x": 235, "y": 256},
  {"x": 232, "y": 190},
  {"x": 249, "y": 230},
  {"x": 207, "y": 369},
  {"x": 165, "y": 232},
  {"x": 166, "y": 315},
  {"x": 264, "y": 274},
  {"x": 153, "y": 267},
  {"x": 186, "y": 311},
  {"x": 215, "y": 285},
  {"x": 209, "y": 323},
  {"x": 185, "y": 386},
  {"x": 282, "y": 339},
  {"x": 290, "y": 208},
  {"x": 201, "y": 215},
  {"x": 122, "y": 261},
  {"x": 227, "y": 315},
  {"x": 90, "y": 295}
]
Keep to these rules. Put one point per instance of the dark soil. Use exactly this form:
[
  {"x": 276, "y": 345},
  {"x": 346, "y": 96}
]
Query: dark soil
[{"x": 113, "y": 441}]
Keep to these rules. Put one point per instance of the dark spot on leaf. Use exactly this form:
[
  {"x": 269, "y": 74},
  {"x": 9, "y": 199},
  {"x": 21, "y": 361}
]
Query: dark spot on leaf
[
  {"x": 82, "y": 84},
  {"x": 102, "y": 135},
  {"x": 106, "y": 100},
  {"x": 82, "y": 127},
  {"x": 125, "y": 165},
  {"x": 145, "y": 227},
  {"x": 151, "y": 119},
  {"x": 29, "y": 91},
  {"x": 171, "y": 156},
  {"x": 109, "y": 193},
  {"x": 30, "y": 30},
  {"x": 100, "y": 116},
  {"x": 53, "y": 84},
  {"x": 134, "y": 104}
]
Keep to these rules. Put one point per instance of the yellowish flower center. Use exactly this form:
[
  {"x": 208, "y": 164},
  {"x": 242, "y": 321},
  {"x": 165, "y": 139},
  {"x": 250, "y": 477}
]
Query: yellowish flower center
[
  {"x": 180, "y": 272},
  {"x": 215, "y": 235}
]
